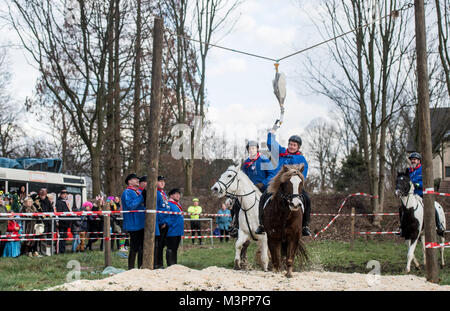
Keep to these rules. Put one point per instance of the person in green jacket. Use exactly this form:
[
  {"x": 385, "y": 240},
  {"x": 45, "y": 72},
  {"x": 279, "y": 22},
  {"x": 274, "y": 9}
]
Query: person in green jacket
[{"x": 195, "y": 210}]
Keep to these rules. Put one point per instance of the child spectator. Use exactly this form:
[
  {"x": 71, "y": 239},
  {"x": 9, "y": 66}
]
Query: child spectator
[
  {"x": 224, "y": 222},
  {"x": 12, "y": 248}
]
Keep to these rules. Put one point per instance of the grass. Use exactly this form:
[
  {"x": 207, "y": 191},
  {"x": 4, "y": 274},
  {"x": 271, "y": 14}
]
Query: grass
[{"x": 24, "y": 273}]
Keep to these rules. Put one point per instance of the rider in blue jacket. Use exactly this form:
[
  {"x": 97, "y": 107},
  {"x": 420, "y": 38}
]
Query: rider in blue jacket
[
  {"x": 415, "y": 172},
  {"x": 415, "y": 175},
  {"x": 286, "y": 156},
  {"x": 254, "y": 168}
]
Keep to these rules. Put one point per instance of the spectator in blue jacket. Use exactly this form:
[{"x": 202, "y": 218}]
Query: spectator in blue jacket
[
  {"x": 134, "y": 222},
  {"x": 415, "y": 175},
  {"x": 223, "y": 222},
  {"x": 286, "y": 156},
  {"x": 161, "y": 222},
  {"x": 176, "y": 227}
]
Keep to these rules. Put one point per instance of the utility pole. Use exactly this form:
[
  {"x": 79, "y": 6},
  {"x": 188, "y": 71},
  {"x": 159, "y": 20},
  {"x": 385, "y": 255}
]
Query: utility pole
[
  {"x": 152, "y": 146},
  {"x": 432, "y": 272}
]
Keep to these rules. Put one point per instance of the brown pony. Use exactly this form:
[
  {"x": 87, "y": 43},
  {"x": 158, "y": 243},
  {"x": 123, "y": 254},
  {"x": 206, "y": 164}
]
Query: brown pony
[{"x": 283, "y": 215}]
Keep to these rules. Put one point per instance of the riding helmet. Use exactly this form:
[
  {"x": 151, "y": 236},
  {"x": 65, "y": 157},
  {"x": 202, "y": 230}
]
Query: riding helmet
[
  {"x": 415, "y": 155},
  {"x": 252, "y": 143},
  {"x": 296, "y": 139}
]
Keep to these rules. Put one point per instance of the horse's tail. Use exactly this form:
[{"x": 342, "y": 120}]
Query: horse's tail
[{"x": 301, "y": 253}]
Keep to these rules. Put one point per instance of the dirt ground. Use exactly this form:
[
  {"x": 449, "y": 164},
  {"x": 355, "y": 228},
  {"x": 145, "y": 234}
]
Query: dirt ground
[{"x": 181, "y": 278}]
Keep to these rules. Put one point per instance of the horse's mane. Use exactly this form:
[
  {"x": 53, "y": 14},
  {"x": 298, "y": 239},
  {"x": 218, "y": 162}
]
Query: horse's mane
[{"x": 285, "y": 173}]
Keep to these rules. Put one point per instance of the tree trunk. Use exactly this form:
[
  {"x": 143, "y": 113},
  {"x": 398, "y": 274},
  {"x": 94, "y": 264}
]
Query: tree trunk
[
  {"x": 116, "y": 137},
  {"x": 95, "y": 156},
  {"x": 188, "y": 165},
  {"x": 137, "y": 135}
]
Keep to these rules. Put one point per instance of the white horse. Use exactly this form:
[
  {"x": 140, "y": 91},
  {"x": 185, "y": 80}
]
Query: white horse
[
  {"x": 236, "y": 183},
  {"x": 413, "y": 219}
]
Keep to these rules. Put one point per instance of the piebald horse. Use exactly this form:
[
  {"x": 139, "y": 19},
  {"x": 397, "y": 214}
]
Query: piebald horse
[
  {"x": 412, "y": 224},
  {"x": 235, "y": 183}
]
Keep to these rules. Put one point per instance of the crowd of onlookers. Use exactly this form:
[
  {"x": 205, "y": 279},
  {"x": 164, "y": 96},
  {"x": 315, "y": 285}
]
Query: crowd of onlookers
[{"x": 36, "y": 233}]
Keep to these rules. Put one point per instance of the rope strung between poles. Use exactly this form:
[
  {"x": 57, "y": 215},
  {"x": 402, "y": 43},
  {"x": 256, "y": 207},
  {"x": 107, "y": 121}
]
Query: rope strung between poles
[{"x": 393, "y": 13}]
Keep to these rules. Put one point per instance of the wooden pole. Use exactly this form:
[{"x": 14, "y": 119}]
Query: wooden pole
[
  {"x": 107, "y": 241},
  {"x": 432, "y": 272},
  {"x": 152, "y": 146},
  {"x": 353, "y": 227}
]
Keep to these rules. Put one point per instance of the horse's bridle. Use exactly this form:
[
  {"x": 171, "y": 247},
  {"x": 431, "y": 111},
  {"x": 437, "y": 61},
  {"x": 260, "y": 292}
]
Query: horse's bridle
[
  {"x": 289, "y": 197},
  {"x": 233, "y": 195}
]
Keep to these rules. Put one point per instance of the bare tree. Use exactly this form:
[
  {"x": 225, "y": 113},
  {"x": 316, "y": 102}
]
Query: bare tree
[
  {"x": 10, "y": 129},
  {"x": 369, "y": 75},
  {"x": 324, "y": 148}
]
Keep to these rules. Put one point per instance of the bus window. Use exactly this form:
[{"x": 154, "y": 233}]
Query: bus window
[
  {"x": 55, "y": 189},
  {"x": 36, "y": 186},
  {"x": 14, "y": 186},
  {"x": 3, "y": 186}
]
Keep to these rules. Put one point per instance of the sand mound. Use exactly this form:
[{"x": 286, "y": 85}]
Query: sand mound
[{"x": 181, "y": 278}]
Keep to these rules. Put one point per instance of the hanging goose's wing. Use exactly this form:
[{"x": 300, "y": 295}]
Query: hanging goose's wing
[{"x": 279, "y": 89}]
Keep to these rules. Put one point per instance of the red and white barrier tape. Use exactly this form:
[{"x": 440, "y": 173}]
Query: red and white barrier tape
[
  {"x": 193, "y": 230},
  {"x": 382, "y": 232},
  {"x": 204, "y": 236},
  {"x": 357, "y": 215},
  {"x": 60, "y": 239},
  {"x": 437, "y": 245},
  {"x": 98, "y": 213},
  {"x": 431, "y": 191},
  {"x": 340, "y": 208}
]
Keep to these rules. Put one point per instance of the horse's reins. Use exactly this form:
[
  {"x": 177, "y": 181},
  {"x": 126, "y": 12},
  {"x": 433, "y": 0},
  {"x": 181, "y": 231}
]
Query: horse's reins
[{"x": 237, "y": 196}]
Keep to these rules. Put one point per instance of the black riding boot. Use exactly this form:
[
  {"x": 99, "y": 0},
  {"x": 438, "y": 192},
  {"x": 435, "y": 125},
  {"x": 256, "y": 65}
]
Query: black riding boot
[
  {"x": 440, "y": 230},
  {"x": 306, "y": 215},
  {"x": 401, "y": 232},
  {"x": 131, "y": 259},
  {"x": 140, "y": 258},
  {"x": 170, "y": 257},
  {"x": 262, "y": 200},
  {"x": 235, "y": 211},
  {"x": 157, "y": 264}
]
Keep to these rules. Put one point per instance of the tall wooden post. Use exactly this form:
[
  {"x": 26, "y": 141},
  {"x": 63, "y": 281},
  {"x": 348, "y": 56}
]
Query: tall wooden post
[
  {"x": 107, "y": 239},
  {"x": 353, "y": 227},
  {"x": 432, "y": 272},
  {"x": 152, "y": 146}
]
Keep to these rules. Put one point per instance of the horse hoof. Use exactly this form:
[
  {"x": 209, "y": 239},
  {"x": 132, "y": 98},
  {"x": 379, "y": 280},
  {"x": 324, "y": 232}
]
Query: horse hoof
[
  {"x": 288, "y": 275},
  {"x": 442, "y": 266},
  {"x": 236, "y": 265}
]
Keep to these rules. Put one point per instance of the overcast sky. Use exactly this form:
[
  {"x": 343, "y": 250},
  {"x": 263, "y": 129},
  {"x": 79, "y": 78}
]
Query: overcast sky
[{"x": 239, "y": 87}]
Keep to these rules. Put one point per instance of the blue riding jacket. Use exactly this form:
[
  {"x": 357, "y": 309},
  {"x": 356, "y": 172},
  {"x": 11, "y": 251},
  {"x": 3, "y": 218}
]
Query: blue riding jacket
[
  {"x": 415, "y": 174},
  {"x": 133, "y": 200},
  {"x": 284, "y": 158},
  {"x": 252, "y": 168}
]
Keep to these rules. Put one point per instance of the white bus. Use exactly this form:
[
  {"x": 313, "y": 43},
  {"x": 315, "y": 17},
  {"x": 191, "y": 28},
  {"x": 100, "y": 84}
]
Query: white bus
[{"x": 12, "y": 179}]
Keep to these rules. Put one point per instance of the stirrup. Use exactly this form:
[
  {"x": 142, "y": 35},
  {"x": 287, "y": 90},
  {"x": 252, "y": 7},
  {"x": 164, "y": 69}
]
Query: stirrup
[
  {"x": 306, "y": 231},
  {"x": 260, "y": 230},
  {"x": 234, "y": 232}
]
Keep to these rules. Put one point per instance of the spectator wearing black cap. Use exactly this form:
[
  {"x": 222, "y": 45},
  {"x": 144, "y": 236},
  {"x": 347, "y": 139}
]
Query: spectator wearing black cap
[
  {"x": 161, "y": 222},
  {"x": 176, "y": 227},
  {"x": 63, "y": 225},
  {"x": 134, "y": 222},
  {"x": 143, "y": 188}
]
